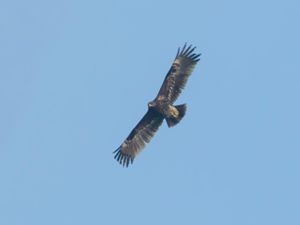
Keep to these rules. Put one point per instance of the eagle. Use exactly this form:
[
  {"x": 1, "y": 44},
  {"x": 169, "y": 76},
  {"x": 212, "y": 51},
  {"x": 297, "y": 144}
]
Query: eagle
[{"x": 161, "y": 108}]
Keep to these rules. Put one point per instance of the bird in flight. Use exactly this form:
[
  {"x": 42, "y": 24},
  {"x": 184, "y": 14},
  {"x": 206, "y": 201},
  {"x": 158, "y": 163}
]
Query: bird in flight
[{"x": 161, "y": 107}]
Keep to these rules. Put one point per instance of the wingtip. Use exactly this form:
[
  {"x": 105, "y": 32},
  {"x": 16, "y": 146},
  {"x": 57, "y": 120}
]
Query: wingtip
[
  {"x": 188, "y": 52},
  {"x": 122, "y": 158},
  {"x": 118, "y": 149},
  {"x": 184, "y": 47}
]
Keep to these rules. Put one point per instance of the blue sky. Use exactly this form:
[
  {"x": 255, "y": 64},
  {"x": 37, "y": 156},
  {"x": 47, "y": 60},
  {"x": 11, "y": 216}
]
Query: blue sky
[{"x": 76, "y": 76}]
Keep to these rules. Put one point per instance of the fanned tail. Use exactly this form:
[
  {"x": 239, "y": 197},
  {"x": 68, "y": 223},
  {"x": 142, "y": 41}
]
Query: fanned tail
[{"x": 172, "y": 121}]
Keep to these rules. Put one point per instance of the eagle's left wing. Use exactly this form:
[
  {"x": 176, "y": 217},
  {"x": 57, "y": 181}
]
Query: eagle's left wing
[
  {"x": 178, "y": 74},
  {"x": 139, "y": 136}
]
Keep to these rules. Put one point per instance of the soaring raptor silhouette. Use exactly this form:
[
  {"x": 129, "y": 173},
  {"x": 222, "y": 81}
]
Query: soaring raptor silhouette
[{"x": 161, "y": 107}]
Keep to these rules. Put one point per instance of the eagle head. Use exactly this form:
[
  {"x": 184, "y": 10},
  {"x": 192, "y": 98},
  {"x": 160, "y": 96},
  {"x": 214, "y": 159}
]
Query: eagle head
[{"x": 151, "y": 104}]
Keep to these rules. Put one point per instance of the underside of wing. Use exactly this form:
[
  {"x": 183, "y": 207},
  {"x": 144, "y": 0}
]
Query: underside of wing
[
  {"x": 178, "y": 74},
  {"x": 139, "y": 136}
]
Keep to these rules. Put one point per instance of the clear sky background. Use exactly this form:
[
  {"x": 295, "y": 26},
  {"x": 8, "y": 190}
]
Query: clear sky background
[{"x": 76, "y": 76}]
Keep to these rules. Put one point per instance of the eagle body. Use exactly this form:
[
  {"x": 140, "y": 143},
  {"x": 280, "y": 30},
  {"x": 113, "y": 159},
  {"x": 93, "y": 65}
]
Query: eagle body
[
  {"x": 162, "y": 107},
  {"x": 168, "y": 111}
]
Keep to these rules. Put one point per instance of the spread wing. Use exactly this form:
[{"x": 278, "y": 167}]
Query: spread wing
[
  {"x": 139, "y": 136},
  {"x": 178, "y": 74}
]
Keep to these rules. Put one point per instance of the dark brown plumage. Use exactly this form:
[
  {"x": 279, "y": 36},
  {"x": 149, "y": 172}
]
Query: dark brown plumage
[{"x": 161, "y": 107}]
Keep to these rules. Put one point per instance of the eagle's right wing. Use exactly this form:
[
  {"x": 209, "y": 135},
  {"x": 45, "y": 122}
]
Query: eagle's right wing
[
  {"x": 139, "y": 136},
  {"x": 178, "y": 74}
]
